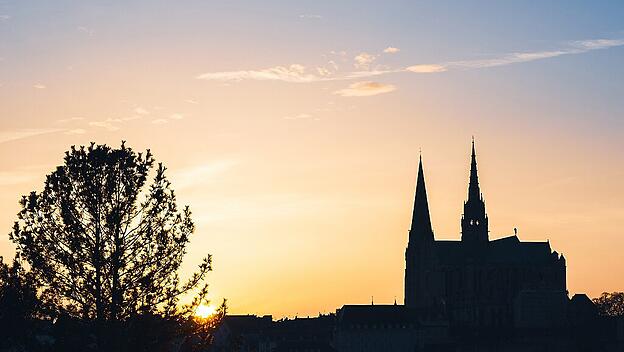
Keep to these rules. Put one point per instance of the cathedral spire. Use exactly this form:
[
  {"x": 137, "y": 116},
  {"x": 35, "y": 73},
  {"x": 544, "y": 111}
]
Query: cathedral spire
[
  {"x": 421, "y": 221},
  {"x": 473, "y": 189},
  {"x": 474, "y": 221}
]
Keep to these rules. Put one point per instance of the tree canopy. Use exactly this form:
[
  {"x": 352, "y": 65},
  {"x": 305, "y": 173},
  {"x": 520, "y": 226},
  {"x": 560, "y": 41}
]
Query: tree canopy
[
  {"x": 105, "y": 238},
  {"x": 610, "y": 304},
  {"x": 19, "y": 305}
]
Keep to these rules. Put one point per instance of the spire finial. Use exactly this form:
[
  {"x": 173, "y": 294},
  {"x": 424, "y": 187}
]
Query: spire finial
[
  {"x": 473, "y": 148},
  {"x": 473, "y": 188}
]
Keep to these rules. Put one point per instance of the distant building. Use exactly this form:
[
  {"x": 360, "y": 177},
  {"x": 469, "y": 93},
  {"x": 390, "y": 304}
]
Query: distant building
[
  {"x": 250, "y": 333},
  {"x": 478, "y": 282},
  {"x": 361, "y": 328},
  {"x": 241, "y": 333}
]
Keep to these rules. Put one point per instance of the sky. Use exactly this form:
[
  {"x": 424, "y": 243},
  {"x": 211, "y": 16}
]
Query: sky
[{"x": 293, "y": 129}]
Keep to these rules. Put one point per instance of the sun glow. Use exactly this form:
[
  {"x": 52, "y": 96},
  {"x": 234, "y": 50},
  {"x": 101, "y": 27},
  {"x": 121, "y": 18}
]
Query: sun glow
[{"x": 205, "y": 311}]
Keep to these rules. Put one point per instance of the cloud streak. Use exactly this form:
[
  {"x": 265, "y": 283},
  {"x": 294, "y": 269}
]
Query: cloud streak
[
  {"x": 76, "y": 131},
  {"x": 294, "y": 73},
  {"x": 113, "y": 124},
  {"x": 311, "y": 16},
  {"x": 13, "y": 135},
  {"x": 298, "y": 117},
  {"x": 140, "y": 111},
  {"x": 426, "y": 68},
  {"x": 12, "y": 178},
  {"x": 391, "y": 50},
  {"x": 574, "y": 47},
  {"x": 363, "y": 62},
  {"x": 202, "y": 173},
  {"x": 365, "y": 89},
  {"x": 71, "y": 119}
]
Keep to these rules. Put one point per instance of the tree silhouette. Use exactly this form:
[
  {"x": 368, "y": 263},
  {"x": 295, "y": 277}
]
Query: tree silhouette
[
  {"x": 105, "y": 243},
  {"x": 18, "y": 304},
  {"x": 610, "y": 304}
]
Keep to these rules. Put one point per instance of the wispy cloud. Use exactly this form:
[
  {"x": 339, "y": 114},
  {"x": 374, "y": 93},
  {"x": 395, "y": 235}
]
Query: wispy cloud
[
  {"x": 363, "y": 61},
  {"x": 281, "y": 73},
  {"x": 76, "y": 131},
  {"x": 365, "y": 68},
  {"x": 71, "y": 119},
  {"x": 172, "y": 117},
  {"x": 13, "y": 135},
  {"x": 113, "y": 124},
  {"x": 391, "y": 50},
  {"x": 294, "y": 73},
  {"x": 365, "y": 89},
  {"x": 598, "y": 43},
  {"x": 431, "y": 68},
  {"x": 191, "y": 101},
  {"x": 507, "y": 59},
  {"x": 366, "y": 74},
  {"x": 298, "y": 117},
  {"x": 39, "y": 86},
  {"x": 141, "y": 111},
  {"x": 4, "y": 18},
  {"x": 12, "y": 178},
  {"x": 206, "y": 172},
  {"x": 311, "y": 16},
  {"x": 574, "y": 47},
  {"x": 85, "y": 30},
  {"x": 105, "y": 124}
]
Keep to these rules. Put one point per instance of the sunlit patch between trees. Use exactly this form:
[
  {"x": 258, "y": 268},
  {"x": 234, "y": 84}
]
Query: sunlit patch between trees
[{"x": 98, "y": 253}]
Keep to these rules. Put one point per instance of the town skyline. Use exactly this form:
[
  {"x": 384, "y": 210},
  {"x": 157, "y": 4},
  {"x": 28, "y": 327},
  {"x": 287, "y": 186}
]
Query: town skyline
[{"x": 296, "y": 144}]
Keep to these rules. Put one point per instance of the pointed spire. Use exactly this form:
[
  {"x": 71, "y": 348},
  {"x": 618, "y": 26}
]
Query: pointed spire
[
  {"x": 421, "y": 221},
  {"x": 474, "y": 220},
  {"x": 473, "y": 189}
]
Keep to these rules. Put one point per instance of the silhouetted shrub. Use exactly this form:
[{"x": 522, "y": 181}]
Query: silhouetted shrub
[{"x": 610, "y": 304}]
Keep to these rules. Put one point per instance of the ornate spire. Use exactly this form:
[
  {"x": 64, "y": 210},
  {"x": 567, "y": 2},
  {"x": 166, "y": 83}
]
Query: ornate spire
[
  {"x": 421, "y": 222},
  {"x": 474, "y": 221},
  {"x": 473, "y": 189}
]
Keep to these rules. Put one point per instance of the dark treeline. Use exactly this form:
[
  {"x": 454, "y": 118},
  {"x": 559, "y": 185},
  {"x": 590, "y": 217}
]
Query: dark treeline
[{"x": 98, "y": 253}]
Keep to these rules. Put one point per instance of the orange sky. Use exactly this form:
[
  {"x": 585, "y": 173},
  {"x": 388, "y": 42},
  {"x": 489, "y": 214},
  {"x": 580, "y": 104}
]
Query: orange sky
[{"x": 296, "y": 144}]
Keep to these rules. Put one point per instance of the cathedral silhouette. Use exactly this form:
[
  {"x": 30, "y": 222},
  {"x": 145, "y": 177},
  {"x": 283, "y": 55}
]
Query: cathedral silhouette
[
  {"x": 474, "y": 281},
  {"x": 474, "y": 294}
]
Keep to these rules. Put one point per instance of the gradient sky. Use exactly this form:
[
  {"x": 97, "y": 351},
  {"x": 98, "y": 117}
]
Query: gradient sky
[{"x": 293, "y": 130}]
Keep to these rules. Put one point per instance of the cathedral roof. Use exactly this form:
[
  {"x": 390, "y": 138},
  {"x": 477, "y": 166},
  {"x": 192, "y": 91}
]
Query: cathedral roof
[
  {"x": 507, "y": 250},
  {"x": 377, "y": 314}
]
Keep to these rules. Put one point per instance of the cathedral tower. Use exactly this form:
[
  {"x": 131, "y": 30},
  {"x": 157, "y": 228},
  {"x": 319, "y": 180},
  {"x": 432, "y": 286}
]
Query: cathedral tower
[
  {"x": 474, "y": 222},
  {"x": 419, "y": 252}
]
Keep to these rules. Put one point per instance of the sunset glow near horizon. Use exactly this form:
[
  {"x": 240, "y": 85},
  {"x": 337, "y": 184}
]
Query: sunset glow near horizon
[{"x": 293, "y": 130}]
